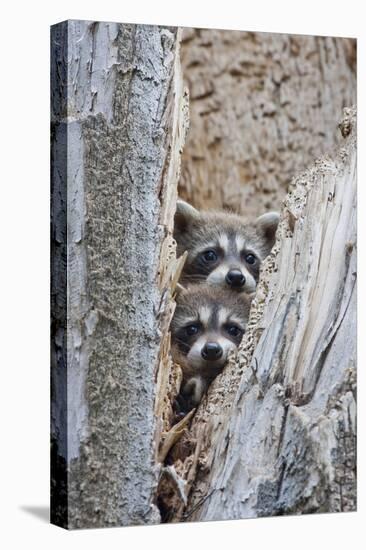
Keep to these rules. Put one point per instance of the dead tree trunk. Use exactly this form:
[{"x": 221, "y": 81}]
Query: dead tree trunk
[
  {"x": 276, "y": 434},
  {"x": 117, "y": 130},
  {"x": 262, "y": 108}
]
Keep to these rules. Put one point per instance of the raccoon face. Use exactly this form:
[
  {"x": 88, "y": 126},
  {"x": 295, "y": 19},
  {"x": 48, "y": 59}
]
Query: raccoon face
[
  {"x": 222, "y": 249},
  {"x": 208, "y": 323}
]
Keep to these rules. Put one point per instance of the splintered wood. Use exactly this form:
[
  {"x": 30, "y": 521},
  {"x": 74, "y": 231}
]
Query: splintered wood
[
  {"x": 276, "y": 433},
  {"x": 168, "y": 375},
  {"x": 117, "y": 130}
]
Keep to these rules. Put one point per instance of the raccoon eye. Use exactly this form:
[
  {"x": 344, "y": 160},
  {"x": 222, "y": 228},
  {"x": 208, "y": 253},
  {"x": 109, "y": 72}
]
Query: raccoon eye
[
  {"x": 250, "y": 258},
  {"x": 233, "y": 330},
  {"x": 191, "y": 330},
  {"x": 209, "y": 256}
]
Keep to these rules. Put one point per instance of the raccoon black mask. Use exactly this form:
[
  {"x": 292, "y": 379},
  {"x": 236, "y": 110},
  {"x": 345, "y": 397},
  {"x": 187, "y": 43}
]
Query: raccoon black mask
[
  {"x": 208, "y": 323},
  {"x": 222, "y": 249}
]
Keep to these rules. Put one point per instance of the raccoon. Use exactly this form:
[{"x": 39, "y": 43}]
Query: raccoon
[
  {"x": 207, "y": 324},
  {"x": 222, "y": 249}
]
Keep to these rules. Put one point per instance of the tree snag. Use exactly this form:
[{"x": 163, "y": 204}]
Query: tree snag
[
  {"x": 117, "y": 130},
  {"x": 277, "y": 432}
]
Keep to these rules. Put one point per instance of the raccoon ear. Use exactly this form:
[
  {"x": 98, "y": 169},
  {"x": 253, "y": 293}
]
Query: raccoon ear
[
  {"x": 184, "y": 215},
  {"x": 267, "y": 225}
]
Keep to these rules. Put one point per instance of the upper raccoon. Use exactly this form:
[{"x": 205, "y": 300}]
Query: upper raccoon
[
  {"x": 208, "y": 322},
  {"x": 223, "y": 249}
]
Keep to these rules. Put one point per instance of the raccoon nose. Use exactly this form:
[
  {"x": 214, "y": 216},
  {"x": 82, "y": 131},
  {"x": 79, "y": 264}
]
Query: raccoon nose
[
  {"x": 235, "y": 278},
  {"x": 211, "y": 351}
]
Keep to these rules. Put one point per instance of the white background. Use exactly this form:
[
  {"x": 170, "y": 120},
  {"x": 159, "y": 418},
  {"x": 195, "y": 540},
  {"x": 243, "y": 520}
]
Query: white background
[{"x": 24, "y": 270}]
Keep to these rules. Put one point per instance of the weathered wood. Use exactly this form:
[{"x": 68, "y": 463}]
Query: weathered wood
[
  {"x": 263, "y": 106},
  {"x": 117, "y": 131},
  {"x": 276, "y": 434}
]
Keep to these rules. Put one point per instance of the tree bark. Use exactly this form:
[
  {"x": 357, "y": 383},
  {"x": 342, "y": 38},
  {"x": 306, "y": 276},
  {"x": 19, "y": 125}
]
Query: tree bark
[
  {"x": 117, "y": 130},
  {"x": 277, "y": 432},
  {"x": 263, "y": 106}
]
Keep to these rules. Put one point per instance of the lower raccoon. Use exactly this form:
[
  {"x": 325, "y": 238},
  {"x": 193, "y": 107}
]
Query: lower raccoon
[
  {"x": 222, "y": 249},
  {"x": 208, "y": 323}
]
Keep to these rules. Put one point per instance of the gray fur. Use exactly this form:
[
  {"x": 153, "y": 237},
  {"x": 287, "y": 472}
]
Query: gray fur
[
  {"x": 222, "y": 307},
  {"x": 196, "y": 231}
]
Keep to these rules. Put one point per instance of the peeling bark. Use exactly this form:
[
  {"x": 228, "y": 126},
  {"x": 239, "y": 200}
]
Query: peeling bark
[
  {"x": 277, "y": 431},
  {"x": 263, "y": 106},
  {"x": 117, "y": 130}
]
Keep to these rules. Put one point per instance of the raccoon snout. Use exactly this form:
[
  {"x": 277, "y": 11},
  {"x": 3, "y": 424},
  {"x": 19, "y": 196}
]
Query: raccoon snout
[
  {"x": 211, "y": 351},
  {"x": 235, "y": 278}
]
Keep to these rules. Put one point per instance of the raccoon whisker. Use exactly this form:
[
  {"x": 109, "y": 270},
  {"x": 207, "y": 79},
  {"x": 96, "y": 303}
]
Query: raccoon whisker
[
  {"x": 196, "y": 277},
  {"x": 182, "y": 342},
  {"x": 238, "y": 245}
]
